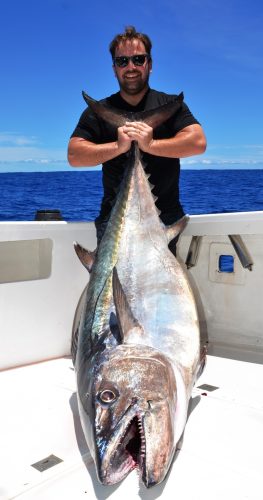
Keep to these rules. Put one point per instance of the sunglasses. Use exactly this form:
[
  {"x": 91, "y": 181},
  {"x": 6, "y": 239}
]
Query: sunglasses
[{"x": 137, "y": 60}]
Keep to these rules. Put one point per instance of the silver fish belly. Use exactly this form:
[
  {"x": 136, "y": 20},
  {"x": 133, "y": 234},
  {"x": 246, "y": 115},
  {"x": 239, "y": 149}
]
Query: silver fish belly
[{"x": 138, "y": 348}]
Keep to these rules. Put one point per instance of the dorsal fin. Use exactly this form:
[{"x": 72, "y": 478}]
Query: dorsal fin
[
  {"x": 174, "y": 229},
  {"x": 129, "y": 327},
  {"x": 85, "y": 256},
  {"x": 153, "y": 117}
]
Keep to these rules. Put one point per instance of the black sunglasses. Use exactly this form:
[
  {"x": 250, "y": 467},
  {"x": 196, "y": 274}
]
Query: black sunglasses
[{"x": 137, "y": 60}]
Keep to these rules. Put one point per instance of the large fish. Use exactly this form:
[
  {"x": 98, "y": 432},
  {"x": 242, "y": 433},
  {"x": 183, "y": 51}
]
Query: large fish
[{"x": 137, "y": 345}]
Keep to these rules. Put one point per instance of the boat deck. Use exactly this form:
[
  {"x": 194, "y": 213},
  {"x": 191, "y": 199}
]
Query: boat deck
[{"x": 221, "y": 456}]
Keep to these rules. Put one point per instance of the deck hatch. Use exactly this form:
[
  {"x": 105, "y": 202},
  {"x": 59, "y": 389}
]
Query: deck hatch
[
  {"x": 47, "y": 463},
  {"x": 224, "y": 266},
  {"x": 25, "y": 260},
  {"x": 208, "y": 387}
]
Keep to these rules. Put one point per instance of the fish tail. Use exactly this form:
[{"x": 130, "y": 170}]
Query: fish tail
[{"x": 153, "y": 117}]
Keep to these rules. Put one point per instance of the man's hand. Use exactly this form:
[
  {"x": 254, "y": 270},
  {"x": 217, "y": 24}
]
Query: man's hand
[
  {"x": 124, "y": 141},
  {"x": 140, "y": 132},
  {"x": 188, "y": 141}
]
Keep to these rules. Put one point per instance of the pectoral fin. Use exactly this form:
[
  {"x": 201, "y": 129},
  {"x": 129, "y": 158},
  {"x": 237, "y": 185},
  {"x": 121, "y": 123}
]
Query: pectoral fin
[{"x": 129, "y": 327}]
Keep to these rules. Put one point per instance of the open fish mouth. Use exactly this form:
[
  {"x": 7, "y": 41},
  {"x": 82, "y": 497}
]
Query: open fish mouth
[
  {"x": 127, "y": 453},
  {"x": 133, "y": 442}
]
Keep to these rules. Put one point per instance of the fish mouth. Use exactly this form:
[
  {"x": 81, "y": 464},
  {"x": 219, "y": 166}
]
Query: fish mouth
[
  {"x": 126, "y": 454},
  {"x": 134, "y": 442}
]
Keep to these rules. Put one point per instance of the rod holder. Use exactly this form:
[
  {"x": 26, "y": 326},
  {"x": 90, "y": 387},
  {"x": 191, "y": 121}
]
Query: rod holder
[
  {"x": 193, "y": 252},
  {"x": 241, "y": 251}
]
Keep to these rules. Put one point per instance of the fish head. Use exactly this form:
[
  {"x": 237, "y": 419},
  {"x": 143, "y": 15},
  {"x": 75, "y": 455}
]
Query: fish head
[{"x": 133, "y": 404}]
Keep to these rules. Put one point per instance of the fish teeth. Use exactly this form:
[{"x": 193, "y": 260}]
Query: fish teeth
[{"x": 142, "y": 436}]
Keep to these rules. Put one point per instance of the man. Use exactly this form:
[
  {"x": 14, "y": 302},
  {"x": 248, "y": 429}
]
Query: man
[{"x": 94, "y": 142}]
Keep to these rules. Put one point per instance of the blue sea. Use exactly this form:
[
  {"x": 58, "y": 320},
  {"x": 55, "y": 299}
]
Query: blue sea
[{"x": 77, "y": 194}]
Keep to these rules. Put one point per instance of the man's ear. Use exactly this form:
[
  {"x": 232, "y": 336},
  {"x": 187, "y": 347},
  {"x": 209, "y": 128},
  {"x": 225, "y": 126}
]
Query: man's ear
[{"x": 114, "y": 70}]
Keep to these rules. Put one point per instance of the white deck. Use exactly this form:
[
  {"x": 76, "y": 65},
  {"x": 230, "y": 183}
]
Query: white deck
[
  {"x": 41, "y": 281},
  {"x": 221, "y": 457}
]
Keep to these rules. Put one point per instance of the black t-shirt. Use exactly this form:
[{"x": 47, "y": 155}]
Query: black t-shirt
[{"x": 164, "y": 172}]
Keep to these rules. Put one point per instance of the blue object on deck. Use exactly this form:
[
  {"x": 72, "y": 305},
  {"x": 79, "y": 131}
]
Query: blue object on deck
[{"x": 226, "y": 264}]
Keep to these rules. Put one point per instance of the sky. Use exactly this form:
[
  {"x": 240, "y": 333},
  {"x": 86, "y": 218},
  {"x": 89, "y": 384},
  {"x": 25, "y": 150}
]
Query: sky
[{"x": 51, "y": 50}]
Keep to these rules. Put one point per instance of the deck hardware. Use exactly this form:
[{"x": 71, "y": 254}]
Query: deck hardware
[
  {"x": 193, "y": 252},
  {"x": 208, "y": 387},
  {"x": 241, "y": 251},
  {"x": 226, "y": 263},
  {"x": 47, "y": 463},
  {"x": 26, "y": 260},
  {"x": 48, "y": 215}
]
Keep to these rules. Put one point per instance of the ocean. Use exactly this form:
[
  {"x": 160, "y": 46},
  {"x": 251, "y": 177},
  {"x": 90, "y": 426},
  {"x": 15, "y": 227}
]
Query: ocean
[{"x": 77, "y": 194}]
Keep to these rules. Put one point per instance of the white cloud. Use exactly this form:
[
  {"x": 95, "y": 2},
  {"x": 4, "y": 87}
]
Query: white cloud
[
  {"x": 17, "y": 140},
  {"x": 218, "y": 161},
  {"x": 231, "y": 155},
  {"x": 19, "y": 148},
  {"x": 20, "y": 152}
]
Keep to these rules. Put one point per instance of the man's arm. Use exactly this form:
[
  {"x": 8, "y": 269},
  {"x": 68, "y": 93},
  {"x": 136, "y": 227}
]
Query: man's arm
[
  {"x": 187, "y": 142},
  {"x": 84, "y": 153}
]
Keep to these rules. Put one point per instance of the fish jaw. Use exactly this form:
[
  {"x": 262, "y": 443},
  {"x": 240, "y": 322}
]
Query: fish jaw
[
  {"x": 134, "y": 404},
  {"x": 125, "y": 450},
  {"x": 135, "y": 445}
]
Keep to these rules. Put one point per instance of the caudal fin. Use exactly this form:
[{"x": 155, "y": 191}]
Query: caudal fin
[{"x": 153, "y": 117}]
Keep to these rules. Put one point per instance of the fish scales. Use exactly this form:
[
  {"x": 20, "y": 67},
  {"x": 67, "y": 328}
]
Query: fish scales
[{"x": 138, "y": 349}]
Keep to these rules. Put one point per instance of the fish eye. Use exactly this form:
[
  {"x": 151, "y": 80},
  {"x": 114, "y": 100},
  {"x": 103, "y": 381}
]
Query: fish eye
[{"x": 107, "y": 396}]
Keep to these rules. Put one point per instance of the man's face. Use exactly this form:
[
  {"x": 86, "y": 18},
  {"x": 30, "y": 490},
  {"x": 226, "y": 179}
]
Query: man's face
[{"x": 132, "y": 79}]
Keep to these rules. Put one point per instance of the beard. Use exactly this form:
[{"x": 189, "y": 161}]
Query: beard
[{"x": 133, "y": 86}]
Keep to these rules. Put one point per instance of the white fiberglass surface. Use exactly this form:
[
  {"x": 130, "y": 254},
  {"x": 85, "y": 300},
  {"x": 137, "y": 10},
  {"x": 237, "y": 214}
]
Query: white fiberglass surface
[{"x": 221, "y": 455}]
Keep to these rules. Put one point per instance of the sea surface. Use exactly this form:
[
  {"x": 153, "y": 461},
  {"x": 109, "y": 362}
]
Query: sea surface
[{"x": 77, "y": 194}]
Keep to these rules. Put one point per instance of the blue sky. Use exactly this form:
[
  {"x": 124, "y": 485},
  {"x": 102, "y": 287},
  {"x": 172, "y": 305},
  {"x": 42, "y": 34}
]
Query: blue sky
[{"x": 52, "y": 49}]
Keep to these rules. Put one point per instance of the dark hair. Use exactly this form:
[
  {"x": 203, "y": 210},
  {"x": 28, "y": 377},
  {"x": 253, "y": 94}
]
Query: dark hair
[{"x": 130, "y": 34}]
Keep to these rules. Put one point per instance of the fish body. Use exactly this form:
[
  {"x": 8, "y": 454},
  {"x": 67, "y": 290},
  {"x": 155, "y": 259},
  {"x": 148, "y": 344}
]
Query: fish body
[{"x": 138, "y": 350}]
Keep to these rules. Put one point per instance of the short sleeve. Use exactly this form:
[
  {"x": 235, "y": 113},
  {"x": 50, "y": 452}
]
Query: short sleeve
[
  {"x": 183, "y": 119},
  {"x": 88, "y": 127}
]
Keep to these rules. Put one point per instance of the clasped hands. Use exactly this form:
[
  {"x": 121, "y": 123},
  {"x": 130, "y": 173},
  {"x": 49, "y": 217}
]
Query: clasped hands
[{"x": 135, "y": 131}]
